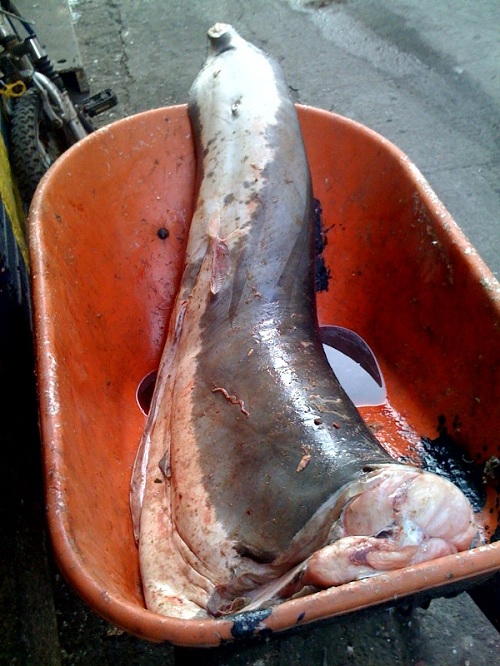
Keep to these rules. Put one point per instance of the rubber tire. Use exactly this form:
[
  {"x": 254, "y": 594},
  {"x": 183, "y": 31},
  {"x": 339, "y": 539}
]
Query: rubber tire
[{"x": 34, "y": 143}]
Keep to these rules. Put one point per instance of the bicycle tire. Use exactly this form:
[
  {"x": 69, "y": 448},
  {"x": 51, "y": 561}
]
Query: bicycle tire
[{"x": 34, "y": 143}]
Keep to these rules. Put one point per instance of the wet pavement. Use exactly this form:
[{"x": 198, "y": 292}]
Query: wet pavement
[{"x": 425, "y": 75}]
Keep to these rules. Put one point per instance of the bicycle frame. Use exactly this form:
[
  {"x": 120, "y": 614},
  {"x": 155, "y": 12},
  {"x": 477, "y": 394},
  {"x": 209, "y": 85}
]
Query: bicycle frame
[
  {"x": 43, "y": 119},
  {"x": 35, "y": 68},
  {"x": 59, "y": 107}
]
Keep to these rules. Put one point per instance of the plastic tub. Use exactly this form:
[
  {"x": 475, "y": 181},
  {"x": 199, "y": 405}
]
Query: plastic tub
[{"x": 108, "y": 228}]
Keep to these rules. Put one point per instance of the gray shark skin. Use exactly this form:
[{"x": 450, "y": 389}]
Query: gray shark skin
[{"x": 254, "y": 460}]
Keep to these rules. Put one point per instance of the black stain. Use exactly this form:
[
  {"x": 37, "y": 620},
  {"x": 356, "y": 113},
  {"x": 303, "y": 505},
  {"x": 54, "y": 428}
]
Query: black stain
[
  {"x": 246, "y": 625},
  {"x": 444, "y": 456},
  {"x": 322, "y": 271}
]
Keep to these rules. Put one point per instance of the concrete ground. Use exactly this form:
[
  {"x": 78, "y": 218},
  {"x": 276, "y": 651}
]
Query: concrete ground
[{"x": 423, "y": 74}]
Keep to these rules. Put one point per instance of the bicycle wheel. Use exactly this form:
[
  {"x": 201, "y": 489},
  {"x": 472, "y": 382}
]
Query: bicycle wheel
[{"x": 34, "y": 143}]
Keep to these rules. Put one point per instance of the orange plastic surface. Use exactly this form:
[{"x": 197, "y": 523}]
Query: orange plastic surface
[{"x": 108, "y": 229}]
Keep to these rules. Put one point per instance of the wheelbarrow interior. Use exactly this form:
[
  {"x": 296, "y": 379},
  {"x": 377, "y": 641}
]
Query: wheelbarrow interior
[{"x": 108, "y": 230}]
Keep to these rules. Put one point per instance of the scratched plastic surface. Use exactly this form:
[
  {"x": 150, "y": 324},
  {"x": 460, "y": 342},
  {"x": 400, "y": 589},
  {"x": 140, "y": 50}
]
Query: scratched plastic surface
[{"x": 108, "y": 228}]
